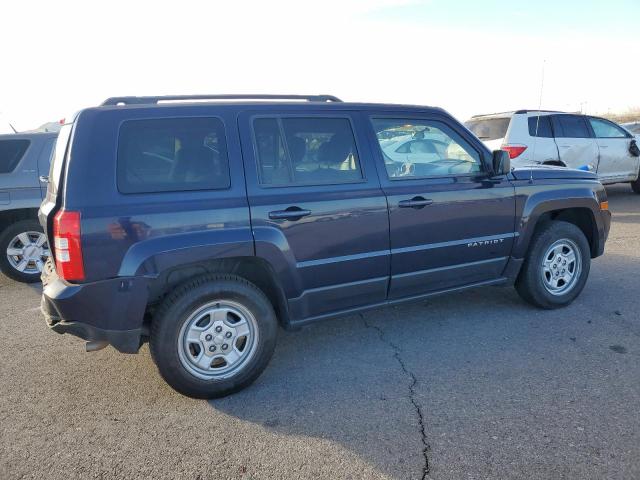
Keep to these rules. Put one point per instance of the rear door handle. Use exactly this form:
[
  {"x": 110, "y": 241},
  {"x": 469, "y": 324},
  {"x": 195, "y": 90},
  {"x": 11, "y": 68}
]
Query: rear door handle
[
  {"x": 291, "y": 213},
  {"x": 415, "y": 202}
]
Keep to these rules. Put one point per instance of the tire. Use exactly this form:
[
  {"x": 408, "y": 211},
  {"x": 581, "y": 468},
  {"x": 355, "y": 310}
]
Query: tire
[
  {"x": 535, "y": 283},
  {"x": 209, "y": 314},
  {"x": 34, "y": 257},
  {"x": 635, "y": 186}
]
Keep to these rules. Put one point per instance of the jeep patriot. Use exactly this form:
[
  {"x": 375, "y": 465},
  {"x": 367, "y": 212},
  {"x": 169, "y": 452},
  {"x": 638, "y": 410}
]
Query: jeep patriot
[{"x": 201, "y": 224}]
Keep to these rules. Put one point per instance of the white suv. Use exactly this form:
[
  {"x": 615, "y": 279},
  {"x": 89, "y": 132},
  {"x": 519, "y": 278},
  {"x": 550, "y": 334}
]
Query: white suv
[{"x": 562, "y": 139}]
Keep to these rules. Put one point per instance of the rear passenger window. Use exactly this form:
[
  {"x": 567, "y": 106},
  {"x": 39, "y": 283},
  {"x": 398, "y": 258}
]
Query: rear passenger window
[
  {"x": 306, "y": 151},
  {"x": 172, "y": 154},
  {"x": 540, "y": 126},
  {"x": 11, "y": 152},
  {"x": 572, "y": 126}
]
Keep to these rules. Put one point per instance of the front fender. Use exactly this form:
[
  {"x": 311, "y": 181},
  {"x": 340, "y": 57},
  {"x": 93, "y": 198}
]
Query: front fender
[{"x": 533, "y": 201}]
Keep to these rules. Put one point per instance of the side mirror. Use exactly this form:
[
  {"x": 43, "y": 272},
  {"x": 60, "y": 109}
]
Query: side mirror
[{"x": 501, "y": 163}]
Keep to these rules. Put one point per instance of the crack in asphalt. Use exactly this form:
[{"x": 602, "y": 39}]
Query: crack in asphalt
[{"x": 412, "y": 393}]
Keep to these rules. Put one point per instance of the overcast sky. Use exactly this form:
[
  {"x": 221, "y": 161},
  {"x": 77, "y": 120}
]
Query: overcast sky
[{"x": 468, "y": 57}]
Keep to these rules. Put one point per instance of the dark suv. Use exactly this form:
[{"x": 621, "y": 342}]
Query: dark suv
[{"x": 202, "y": 226}]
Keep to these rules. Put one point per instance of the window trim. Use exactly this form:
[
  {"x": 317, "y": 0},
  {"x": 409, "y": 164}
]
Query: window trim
[
  {"x": 379, "y": 154},
  {"x": 173, "y": 117},
  {"x": 22, "y": 157},
  {"x": 616, "y": 126},
  {"x": 279, "y": 117}
]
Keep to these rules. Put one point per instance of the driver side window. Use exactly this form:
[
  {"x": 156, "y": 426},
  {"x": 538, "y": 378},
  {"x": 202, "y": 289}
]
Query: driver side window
[{"x": 423, "y": 148}]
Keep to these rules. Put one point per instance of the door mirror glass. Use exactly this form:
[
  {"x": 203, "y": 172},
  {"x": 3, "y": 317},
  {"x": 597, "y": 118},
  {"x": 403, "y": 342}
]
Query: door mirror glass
[{"x": 501, "y": 162}]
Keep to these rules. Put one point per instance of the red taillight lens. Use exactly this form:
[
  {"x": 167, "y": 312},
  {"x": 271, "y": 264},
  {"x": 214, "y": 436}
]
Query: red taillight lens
[
  {"x": 68, "y": 249},
  {"x": 514, "y": 150}
]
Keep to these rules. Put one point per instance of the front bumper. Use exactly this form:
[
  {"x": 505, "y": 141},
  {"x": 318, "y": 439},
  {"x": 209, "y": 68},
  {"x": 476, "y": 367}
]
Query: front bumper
[
  {"x": 604, "y": 231},
  {"x": 109, "y": 310}
]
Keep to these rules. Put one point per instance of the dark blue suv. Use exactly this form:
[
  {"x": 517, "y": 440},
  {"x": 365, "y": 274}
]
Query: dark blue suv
[{"x": 202, "y": 223}]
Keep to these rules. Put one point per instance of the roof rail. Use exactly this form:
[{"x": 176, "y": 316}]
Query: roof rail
[
  {"x": 148, "y": 100},
  {"x": 490, "y": 114},
  {"x": 548, "y": 111}
]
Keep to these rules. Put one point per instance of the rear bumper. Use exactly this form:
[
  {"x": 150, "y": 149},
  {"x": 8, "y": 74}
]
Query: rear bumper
[{"x": 109, "y": 310}]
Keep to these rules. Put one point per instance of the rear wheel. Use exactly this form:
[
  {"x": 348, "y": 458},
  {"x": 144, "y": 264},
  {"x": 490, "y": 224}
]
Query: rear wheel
[
  {"x": 556, "y": 267},
  {"x": 636, "y": 185},
  {"x": 23, "y": 251},
  {"x": 213, "y": 336}
]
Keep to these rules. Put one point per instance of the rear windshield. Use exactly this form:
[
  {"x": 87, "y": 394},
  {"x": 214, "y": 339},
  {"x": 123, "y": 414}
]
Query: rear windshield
[
  {"x": 57, "y": 163},
  {"x": 11, "y": 151},
  {"x": 489, "y": 128}
]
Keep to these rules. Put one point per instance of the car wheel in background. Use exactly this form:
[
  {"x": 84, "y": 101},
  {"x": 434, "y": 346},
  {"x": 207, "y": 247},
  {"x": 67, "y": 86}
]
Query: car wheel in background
[
  {"x": 23, "y": 251},
  {"x": 213, "y": 336},
  {"x": 636, "y": 185},
  {"x": 556, "y": 267}
]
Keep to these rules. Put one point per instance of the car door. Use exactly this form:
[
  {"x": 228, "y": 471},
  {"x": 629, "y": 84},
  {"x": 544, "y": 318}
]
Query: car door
[
  {"x": 616, "y": 162},
  {"x": 452, "y": 224},
  {"x": 576, "y": 146},
  {"x": 318, "y": 214}
]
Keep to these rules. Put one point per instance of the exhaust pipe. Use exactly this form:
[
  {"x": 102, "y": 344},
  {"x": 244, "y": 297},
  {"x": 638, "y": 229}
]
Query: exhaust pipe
[{"x": 94, "y": 346}]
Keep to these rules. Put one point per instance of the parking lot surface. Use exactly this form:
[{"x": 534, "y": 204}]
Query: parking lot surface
[{"x": 466, "y": 386}]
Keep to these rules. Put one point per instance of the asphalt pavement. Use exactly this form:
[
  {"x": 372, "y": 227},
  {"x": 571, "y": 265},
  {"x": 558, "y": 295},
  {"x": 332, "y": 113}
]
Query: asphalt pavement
[{"x": 473, "y": 385}]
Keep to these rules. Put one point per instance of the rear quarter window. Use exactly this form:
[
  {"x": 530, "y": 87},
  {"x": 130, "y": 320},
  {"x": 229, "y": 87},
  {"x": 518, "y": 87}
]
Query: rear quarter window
[
  {"x": 171, "y": 155},
  {"x": 11, "y": 152},
  {"x": 540, "y": 126}
]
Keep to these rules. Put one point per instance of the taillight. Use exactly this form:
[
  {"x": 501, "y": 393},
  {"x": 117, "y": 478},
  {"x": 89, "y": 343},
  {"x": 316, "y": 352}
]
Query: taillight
[
  {"x": 68, "y": 249},
  {"x": 514, "y": 150}
]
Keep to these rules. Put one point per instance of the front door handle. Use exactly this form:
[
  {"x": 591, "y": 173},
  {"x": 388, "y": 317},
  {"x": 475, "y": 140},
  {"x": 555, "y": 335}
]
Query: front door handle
[
  {"x": 415, "y": 202},
  {"x": 291, "y": 213}
]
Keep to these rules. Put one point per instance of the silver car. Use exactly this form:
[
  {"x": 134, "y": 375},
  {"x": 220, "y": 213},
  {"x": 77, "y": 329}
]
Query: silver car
[{"x": 24, "y": 167}]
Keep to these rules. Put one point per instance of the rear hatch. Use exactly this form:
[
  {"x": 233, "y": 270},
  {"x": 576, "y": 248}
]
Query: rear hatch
[{"x": 491, "y": 130}]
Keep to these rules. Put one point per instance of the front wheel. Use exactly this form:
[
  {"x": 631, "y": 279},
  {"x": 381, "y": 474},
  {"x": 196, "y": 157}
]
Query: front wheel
[
  {"x": 213, "y": 336},
  {"x": 556, "y": 267}
]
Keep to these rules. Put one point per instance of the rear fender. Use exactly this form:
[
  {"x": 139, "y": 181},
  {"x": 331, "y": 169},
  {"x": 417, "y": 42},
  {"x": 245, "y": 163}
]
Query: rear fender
[{"x": 155, "y": 255}]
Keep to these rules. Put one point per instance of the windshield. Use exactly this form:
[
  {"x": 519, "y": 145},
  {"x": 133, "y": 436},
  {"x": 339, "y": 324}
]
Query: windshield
[
  {"x": 58, "y": 158},
  {"x": 489, "y": 128}
]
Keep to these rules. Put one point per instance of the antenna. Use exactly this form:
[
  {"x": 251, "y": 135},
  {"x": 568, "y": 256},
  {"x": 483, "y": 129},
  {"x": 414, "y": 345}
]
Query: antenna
[
  {"x": 13, "y": 128},
  {"x": 535, "y": 138}
]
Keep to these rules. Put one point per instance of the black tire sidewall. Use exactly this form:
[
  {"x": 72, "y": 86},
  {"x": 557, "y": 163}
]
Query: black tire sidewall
[
  {"x": 5, "y": 237},
  {"x": 177, "y": 308},
  {"x": 635, "y": 186},
  {"x": 530, "y": 284}
]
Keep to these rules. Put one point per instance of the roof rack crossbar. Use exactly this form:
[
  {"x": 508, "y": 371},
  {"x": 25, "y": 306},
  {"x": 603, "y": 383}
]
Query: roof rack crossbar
[{"x": 148, "y": 100}]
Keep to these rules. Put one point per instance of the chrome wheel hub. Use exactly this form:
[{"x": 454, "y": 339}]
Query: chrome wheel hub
[
  {"x": 28, "y": 251},
  {"x": 561, "y": 267},
  {"x": 218, "y": 340}
]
